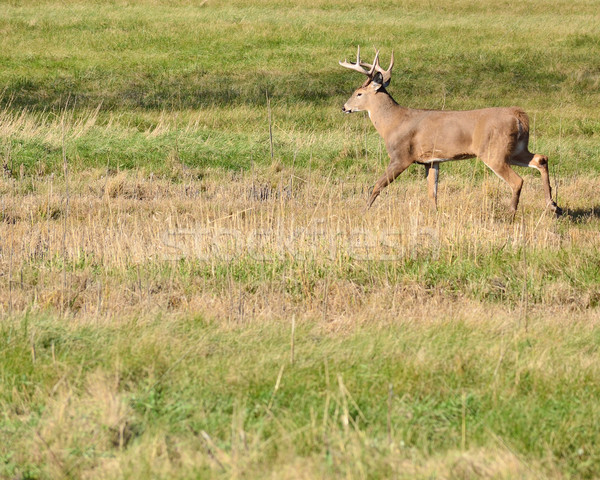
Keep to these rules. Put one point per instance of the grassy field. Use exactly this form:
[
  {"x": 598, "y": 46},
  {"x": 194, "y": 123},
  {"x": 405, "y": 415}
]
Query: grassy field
[{"x": 192, "y": 287}]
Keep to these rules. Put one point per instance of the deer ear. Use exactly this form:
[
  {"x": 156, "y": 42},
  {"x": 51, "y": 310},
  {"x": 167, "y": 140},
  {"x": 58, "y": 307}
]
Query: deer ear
[{"x": 377, "y": 81}]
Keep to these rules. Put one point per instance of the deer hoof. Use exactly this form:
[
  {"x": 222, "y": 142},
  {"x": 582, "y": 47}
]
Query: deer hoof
[{"x": 557, "y": 210}]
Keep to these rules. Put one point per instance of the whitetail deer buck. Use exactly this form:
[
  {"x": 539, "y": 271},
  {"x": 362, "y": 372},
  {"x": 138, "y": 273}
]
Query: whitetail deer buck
[{"x": 498, "y": 136}]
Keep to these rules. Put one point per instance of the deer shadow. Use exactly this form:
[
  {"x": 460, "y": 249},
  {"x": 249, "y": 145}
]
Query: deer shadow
[{"x": 580, "y": 214}]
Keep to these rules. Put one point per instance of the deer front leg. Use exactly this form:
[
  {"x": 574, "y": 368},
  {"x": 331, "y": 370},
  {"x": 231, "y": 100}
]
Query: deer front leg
[
  {"x": 432, "y": 171},
  {"x": 394, "y": 169}
]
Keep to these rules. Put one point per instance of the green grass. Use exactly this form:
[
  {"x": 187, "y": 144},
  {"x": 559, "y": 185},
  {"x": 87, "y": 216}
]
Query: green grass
[
  {"x": 144, "y": 62},
  {"x": 439, "y": 387}
]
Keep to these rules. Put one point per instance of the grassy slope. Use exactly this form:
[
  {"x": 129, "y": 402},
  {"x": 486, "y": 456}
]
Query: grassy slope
[
  {"x": 140, "y": 60},
  {"x": 488, "y": 334}
]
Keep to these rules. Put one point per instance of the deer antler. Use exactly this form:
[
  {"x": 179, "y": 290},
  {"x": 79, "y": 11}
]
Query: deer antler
[
  {"x": 375, "y": 67},
  {"x": 372, "y": 68},
  {"x": 357, "y": 66}
]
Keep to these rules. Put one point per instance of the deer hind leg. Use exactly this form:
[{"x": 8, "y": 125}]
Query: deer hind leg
[
  {"x": 503, "y": 170},
  {"x": 528, "y": 159},
  {"x": 392, "y": 171},
  {"x": 432, "y": 171}
]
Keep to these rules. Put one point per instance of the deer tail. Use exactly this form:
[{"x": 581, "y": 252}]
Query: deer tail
[{"x": 522, "y": 121}]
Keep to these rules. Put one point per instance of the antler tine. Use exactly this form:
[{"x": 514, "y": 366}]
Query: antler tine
[
  {"x": 389, "y": 70},
  {"x": 355, "y": 66},
  {"x": 376, "y": 61},
  {"x": 375, "y": 67}
]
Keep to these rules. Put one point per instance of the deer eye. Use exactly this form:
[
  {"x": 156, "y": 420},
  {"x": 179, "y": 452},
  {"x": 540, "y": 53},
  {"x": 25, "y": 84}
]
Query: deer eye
[{"x": 359, "y": 94}]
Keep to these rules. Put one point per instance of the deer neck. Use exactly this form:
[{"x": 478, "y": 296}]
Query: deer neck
[{"x": 383, "y": 112}]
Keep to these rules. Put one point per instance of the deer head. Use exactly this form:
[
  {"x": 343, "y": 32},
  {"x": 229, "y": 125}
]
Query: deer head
[{"x": 377, "y": 80}]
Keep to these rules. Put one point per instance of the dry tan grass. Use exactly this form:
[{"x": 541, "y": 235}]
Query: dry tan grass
[
  {"x": 49, "y": 128},
  {"x": 123, "y": 233},
  {"x": 96, "y": 420}
]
